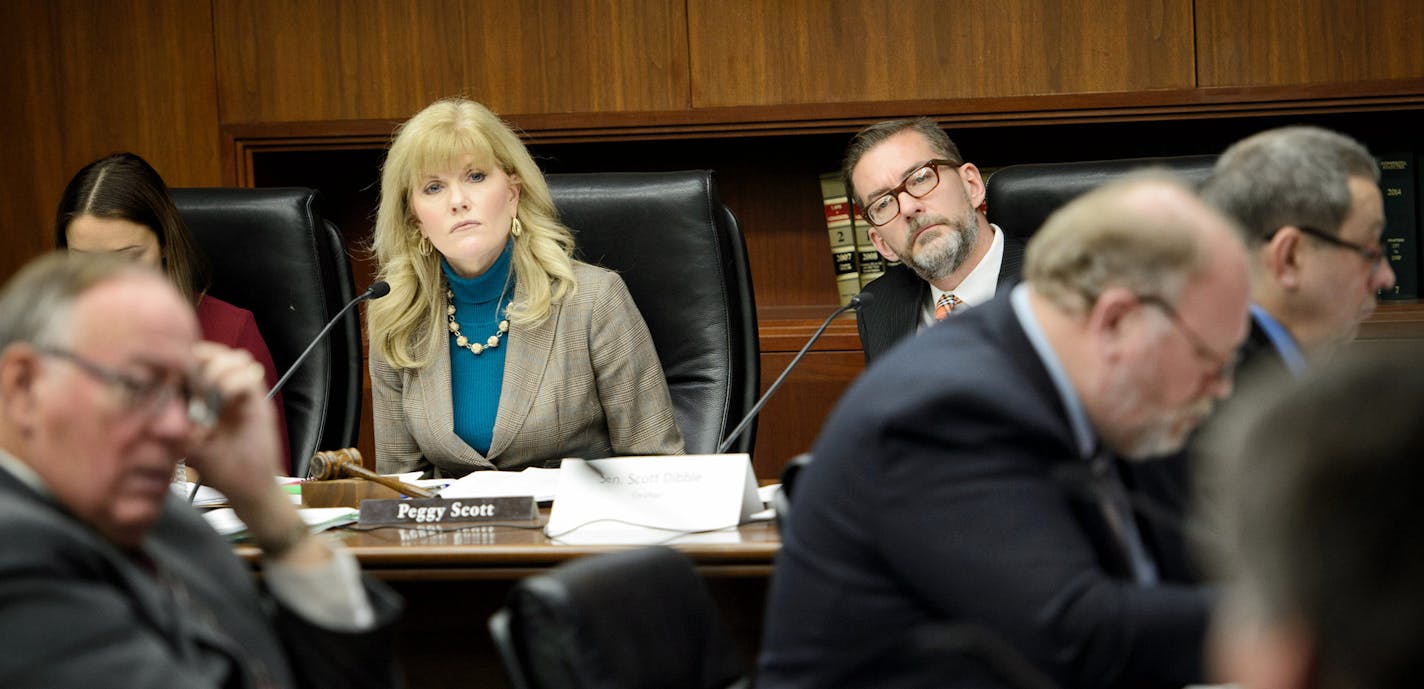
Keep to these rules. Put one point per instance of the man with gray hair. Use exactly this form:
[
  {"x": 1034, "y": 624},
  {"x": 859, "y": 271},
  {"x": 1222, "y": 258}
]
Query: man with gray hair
[
  {"x": 969, "y": 479},
  {"x": 1310, "y": 203},
  {"x": 108, "y": 579},
  {"x": 923, "y": 203}
]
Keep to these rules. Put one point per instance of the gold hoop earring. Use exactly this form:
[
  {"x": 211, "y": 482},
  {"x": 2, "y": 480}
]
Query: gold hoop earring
[
  {"x": 424, "y": 246},
  {"x": 516, "y": 228}
]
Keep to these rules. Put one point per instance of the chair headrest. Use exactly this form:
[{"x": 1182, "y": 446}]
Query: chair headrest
[{"x": 1021, "y": 197}]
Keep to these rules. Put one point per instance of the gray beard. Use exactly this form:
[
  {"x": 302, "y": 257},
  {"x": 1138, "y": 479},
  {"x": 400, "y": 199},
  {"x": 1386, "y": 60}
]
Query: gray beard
[{"x": 945, "y": 257}]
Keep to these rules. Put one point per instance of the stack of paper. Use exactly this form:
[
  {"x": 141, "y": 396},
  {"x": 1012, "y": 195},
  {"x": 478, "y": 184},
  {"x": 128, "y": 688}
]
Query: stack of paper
[
  {"x": 540, "y": 483},
  {"x": 318, "y": 519}
]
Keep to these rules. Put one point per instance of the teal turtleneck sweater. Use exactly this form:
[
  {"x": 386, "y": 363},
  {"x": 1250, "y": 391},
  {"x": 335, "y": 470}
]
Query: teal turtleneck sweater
[{"x": 476, "y": 381}]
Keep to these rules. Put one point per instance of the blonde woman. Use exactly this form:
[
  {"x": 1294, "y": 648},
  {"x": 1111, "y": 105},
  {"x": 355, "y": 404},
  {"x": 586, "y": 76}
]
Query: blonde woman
[{"x": 495, "y": 348}]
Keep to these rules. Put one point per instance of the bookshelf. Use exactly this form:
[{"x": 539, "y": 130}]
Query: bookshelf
[{"x": 768, "y": 161}]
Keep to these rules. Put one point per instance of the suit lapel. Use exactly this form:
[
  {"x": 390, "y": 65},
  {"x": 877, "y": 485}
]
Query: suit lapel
[
  {"x": 530, "y": 349},
  {"x": 438, "y": 393},
  {"x": 1011, "y": 264}
]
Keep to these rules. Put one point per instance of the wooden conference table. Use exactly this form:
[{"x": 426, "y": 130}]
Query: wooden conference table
[{"x": 453, "y": 580}]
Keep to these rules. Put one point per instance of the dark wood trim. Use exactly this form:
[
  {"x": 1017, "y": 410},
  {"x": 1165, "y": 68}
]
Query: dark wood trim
[
  {"x": 1217, "y": 102},
  {"x": 786, "y": 329}
]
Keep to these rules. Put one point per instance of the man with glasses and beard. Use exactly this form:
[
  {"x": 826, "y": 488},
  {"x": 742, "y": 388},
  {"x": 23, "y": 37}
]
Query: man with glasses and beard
[
  {"x": 967, "y": 487},
  {"x": 923, "y": 204}
]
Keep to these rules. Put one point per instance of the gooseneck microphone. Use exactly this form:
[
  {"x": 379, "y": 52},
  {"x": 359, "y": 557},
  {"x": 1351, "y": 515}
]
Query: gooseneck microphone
[
  {"x": 855, "y": 303},
  {"x": 378, "y": 289}
]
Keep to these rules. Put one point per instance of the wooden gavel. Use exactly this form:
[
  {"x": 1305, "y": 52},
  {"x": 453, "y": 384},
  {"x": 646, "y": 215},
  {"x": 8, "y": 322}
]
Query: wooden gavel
[{"x": 346, "y": 463}]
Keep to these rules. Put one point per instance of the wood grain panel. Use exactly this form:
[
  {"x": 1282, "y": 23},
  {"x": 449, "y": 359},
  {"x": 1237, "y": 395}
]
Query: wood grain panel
[
  {"x": 83, "y": 79},
  {"x": 336, "y": 59},
  {"x": 767, "y": 52},
  {"x": 1282, "y": 42},
  {"x": 792, "y": 419}
]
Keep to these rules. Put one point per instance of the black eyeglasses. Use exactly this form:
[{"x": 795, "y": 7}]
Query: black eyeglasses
[
  {"x": 1223, "y": 366},
  {"x": 149, "y": 397},
  {"x": 883, "y": 208},
  {"x": 1372, "y": 255}
]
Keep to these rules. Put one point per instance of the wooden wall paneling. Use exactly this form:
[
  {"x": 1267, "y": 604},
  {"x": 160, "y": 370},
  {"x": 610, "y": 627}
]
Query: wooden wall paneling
[
  {"x": 1281, "y": 42},
  {"x": 84, "y": 79},
  {"x": 792, "y": 419},
  {"x": 767, "y": 52},
  {"x": 335, "y": 59}
]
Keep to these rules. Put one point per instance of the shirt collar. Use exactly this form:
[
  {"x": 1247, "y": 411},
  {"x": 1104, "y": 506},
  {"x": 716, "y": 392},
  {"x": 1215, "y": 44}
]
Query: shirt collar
[
  {"x": 979, "y": 285},
  {"x": 1281, "y": 339},
  {"x": 1077, "y": 417},
  {"x": 23, "y": 473}
]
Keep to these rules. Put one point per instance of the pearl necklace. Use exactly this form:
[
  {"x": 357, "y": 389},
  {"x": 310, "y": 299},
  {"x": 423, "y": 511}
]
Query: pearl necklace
[{"x": 460, "y": 339}]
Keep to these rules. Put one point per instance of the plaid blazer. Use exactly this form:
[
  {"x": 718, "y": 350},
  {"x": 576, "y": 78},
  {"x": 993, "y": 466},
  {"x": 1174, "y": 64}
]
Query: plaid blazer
[{"x": 584, "y": 383}]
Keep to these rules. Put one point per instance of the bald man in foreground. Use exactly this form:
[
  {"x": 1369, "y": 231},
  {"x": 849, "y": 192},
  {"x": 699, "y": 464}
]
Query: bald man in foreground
[{"x": 966, "y": 491}]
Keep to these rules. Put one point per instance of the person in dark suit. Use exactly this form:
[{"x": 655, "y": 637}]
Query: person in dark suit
[
  {"x": 924, "y": 205},
  {"x": 1309, "y": 202},
  {"x": 969, "y": 479},
  {"x": 1319, "y": 487},
  {"x": 109, "y": 579}
]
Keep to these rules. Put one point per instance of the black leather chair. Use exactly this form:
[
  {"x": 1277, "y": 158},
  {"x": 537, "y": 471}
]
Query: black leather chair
[
  {"x": 1021, "y": 197},
  {"x": 781, "y": 500},
  {"x": 274, "y": 254},
  {"x": 635, "y": 619},
  {"x": 682, "y": 255}
]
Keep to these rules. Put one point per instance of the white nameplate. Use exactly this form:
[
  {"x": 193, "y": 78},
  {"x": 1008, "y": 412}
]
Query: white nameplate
[
  {"x": 432, "y": 511},
  {"x": 663, "y": 495}
]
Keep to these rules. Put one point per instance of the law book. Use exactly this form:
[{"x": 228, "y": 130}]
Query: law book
[
  {"x": 841, "y": 233},
  {"x": 872, "y": 264},
  {"x": 1400, "y": 240}
]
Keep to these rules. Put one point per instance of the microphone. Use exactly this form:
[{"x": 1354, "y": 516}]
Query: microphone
[
  {"x": 378, "y": 289},
  {"x": 855, "y": 303}
]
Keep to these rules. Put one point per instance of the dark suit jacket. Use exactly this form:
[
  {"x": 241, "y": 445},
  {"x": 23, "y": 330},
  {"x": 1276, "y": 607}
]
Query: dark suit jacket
[
  {"x": 899, "y": 294},
  {"x": 75, "y": 611},
  {"x": 936, "y": 497}
]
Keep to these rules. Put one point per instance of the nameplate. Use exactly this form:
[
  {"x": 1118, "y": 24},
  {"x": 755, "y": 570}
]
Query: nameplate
[
  {"x": 433, "y": 511},
  {"x": 660, "y": 495}
]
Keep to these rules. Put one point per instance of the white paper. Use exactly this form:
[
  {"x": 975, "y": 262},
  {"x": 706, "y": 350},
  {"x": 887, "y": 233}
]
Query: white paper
[
  {"x": 318, "y": 519},
  {"x": 543, "y": 484},
  {"x": 634, "y": 499},
  {"x": 207, "y": 495},
  {"x": 623, "y": 534},
  {"x": 211, "y": 497}
]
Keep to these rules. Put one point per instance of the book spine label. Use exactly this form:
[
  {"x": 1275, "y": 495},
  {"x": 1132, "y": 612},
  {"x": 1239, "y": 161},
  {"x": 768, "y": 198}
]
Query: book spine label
[
  {"x": 841, "y": 233},
  {"x": 1400, "y": 241}
]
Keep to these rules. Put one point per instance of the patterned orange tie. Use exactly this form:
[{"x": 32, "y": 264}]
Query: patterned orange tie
[{"x": 945, "y": 305}]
